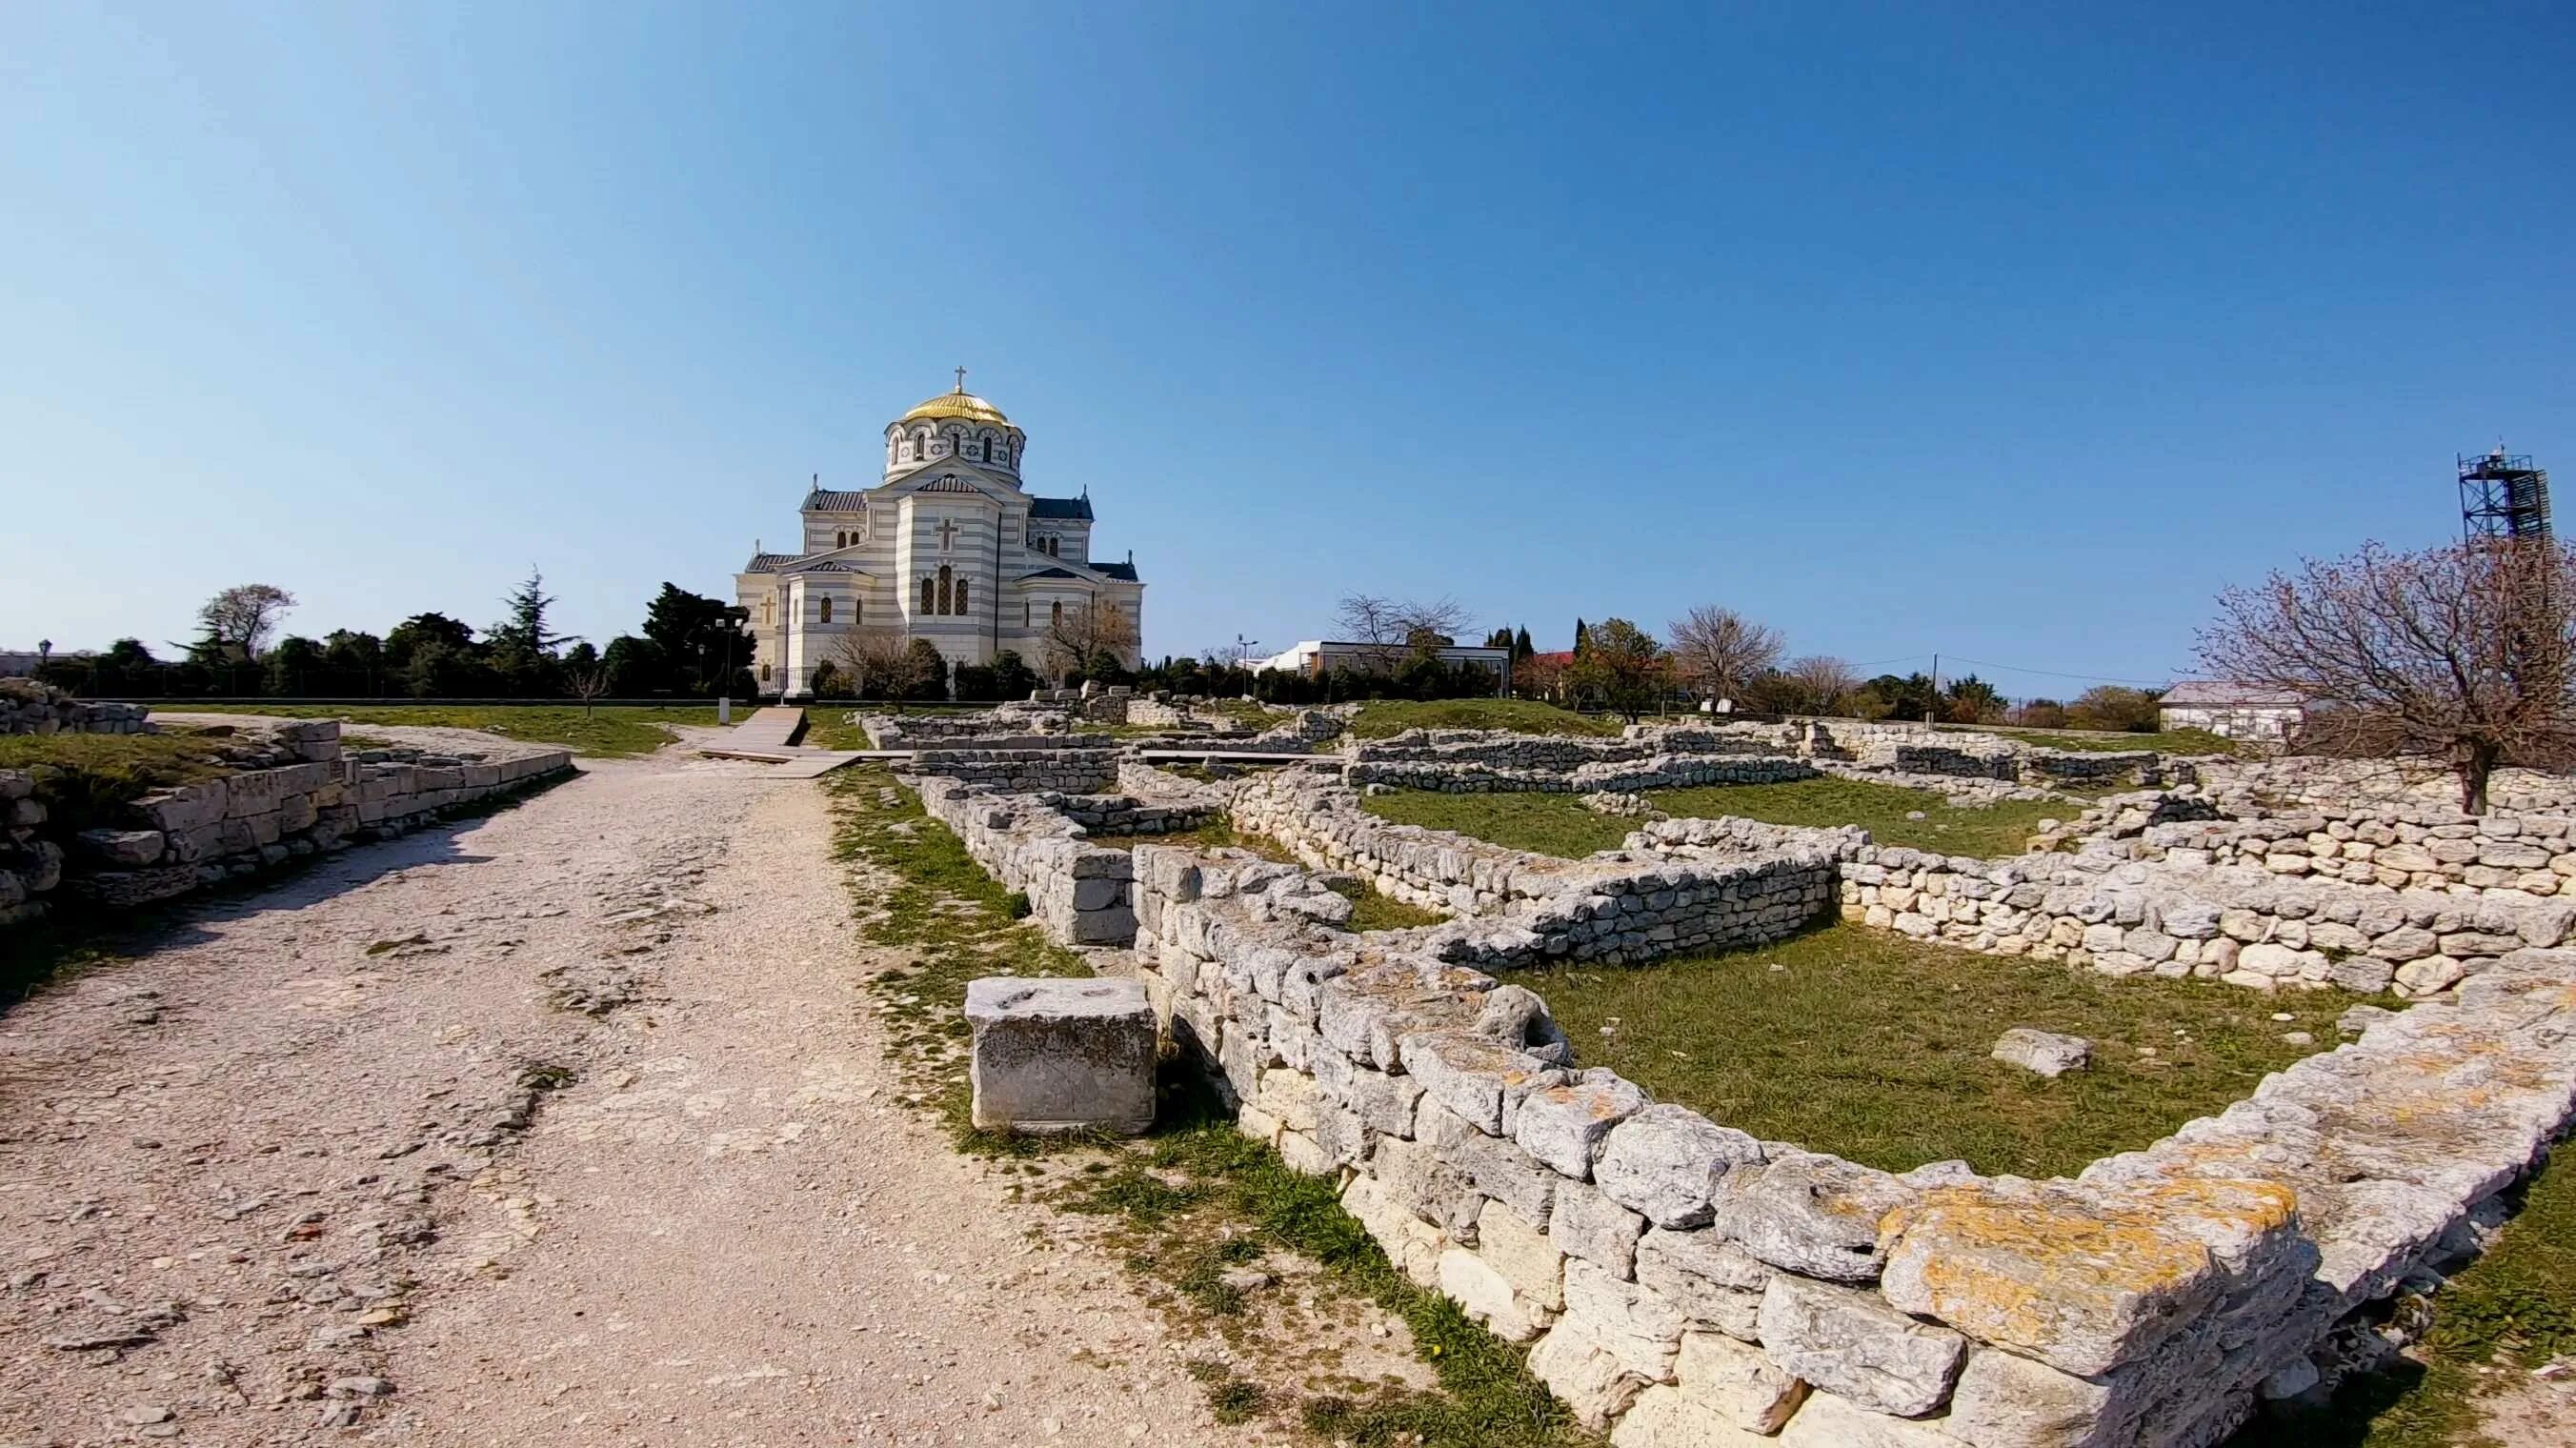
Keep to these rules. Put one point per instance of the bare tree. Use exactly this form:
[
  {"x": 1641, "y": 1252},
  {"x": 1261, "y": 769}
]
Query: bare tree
[
  {"x": 2462, "y": 653},
  {"x": 1824, "y": 682},
  {"x": 1717, "y": 650},
  {"x": 870, "y": 655},
  {"x": 1390, "y": 629},
  {"x": 1084, "y": 631},
  {"x": 588, "y": 683},
  {"x": 241, "y": 618}
]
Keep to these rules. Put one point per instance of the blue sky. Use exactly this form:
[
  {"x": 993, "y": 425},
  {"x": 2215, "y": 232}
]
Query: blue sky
[{"x": 2008, "y": 332}]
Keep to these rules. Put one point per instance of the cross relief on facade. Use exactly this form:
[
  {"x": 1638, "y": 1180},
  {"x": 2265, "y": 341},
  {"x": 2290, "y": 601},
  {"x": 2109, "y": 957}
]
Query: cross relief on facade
[{"x": 947, "y": 534}]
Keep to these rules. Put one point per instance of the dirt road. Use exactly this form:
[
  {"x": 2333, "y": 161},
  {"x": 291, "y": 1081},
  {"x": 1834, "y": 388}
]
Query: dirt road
[{"x": 566, "y": 1126}]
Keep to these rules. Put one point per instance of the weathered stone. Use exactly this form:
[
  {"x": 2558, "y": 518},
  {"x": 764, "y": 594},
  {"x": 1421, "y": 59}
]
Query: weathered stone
[
  {"x": 1665, "y": 1417},
  {"x": 1583, "y": 1374},
  {"x": 2046, "y": 1053},
  {"x": 1850, "y": 1342},
  {"x": 1061, "y": 1055},
  {"x": 1589, "y": 1225},
  {"x": 1469, "y": 1075},
  {"x": 1827, "y": 1421},
  {"x": 1564, "y": 1126},
  {"x": 1667, "y": 1161},
  {"x": 2005, "y": 1401},
  {"x": 1742, "y": 1384},
  {"x": 1812, "y": 1214},
  {"x": 1713, "y": 1281},
  {"x": 1528, "y": 1259},
  {"x": 1633, "y": 1324},
  {"x": 2082, "y": 1279},
  {"x": 1485, "y": 1294}
]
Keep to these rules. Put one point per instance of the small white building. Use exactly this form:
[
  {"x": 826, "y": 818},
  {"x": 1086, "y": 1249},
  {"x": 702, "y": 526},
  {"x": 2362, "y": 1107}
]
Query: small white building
[
  {"x": 2231, "y": 711},
  {"x": 1315, "y": 657}
]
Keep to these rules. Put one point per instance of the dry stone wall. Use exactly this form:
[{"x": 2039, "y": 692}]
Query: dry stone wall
[
  {"x": 27, "y": 707},
  {"x": 1689, "y": 1283},
  {"x": 1079, "y": 893},
  {"x": 311, "y": 799}
]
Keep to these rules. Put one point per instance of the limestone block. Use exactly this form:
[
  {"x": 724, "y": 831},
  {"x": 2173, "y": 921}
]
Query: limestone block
[
  {"x": 1850, "y": 1342},
  {"x": 2272, "y": 959},
  {"x": 1564, "y": 1126},
  {"x": 1486, "y": 1295},
  {"x": 122, "y": 847},
  {"x": 2004, "y": 1401},
  {"x": 1741, "y": 1384},
  {"x": 1419, "y": 1180},
  {"x": 1300, "y": 1150},
  {"x": 1592, "y": 1383},
  {"x": 1470, "y": 1075},
  {"x": 1589, "y": 1225},
  {"x": 1667, "y": 1162},
  {"x": 1633, "y": 1324},
  {"x": 2081, "y": 1279},
  {"x": 2046, "y": 1053},
  {"x": 1664, "y": 1417},
  {"x": 1523, "y": 1254},
  {"x": 1810, "y": 1213},
  {"x": 1827, "y": 1421},
  {"x": 1061, "y": 1055},
  {"x": 1289, "y": 1096},
  {"x": 1714, "y": 1281}
]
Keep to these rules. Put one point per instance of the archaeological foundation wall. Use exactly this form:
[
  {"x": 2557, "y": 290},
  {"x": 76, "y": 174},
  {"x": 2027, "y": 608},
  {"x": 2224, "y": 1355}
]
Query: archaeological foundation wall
[
  {"x": 306, "y": 797},
  {"x": 1692, "y": 1284}
]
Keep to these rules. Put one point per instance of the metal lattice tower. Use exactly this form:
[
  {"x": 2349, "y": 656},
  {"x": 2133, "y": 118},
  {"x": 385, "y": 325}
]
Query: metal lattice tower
[{"x": 2503, "y": 496}]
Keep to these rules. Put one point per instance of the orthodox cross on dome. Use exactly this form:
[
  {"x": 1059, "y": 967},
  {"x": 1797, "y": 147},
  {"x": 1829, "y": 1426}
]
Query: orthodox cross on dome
[
  {"x": 961, "y": 379},
  {"x": 947, "y": 533}
]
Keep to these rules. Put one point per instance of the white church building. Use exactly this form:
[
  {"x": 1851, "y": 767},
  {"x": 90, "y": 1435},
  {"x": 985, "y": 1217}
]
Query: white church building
[{"x": 946, "y": 547}]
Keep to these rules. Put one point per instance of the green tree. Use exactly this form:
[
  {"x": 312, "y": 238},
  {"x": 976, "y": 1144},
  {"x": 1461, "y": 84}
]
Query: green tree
[
  {"x": 1623, "y": 668},
  {"x": 353, "y": 662},
  {"x": 236, "y": 623},
  {"x": 704, "y": 639},
  {"x": 291, "y": 668},
  {"x": 925, "y": 672},
  {"x": 1012, "y": 677},
  {"x": 1972, "y": 700},
  {"x": 2113, "y": 707},
  {"x": 408, "y": 637},
  {"x": 636, "y": 667}
]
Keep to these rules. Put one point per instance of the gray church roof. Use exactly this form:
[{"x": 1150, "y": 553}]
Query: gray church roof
[
  {"x": 1125, "y": 572},
  {"x": 1078, "y": 508},
  {"x": 768, "y": 562},
  {"x": 827, "y": 500},
  {"x": 1049, "y": 573}
]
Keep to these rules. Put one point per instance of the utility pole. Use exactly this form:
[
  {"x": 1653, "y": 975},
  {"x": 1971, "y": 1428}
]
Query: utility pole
[{"x": 1933, "y": 707}]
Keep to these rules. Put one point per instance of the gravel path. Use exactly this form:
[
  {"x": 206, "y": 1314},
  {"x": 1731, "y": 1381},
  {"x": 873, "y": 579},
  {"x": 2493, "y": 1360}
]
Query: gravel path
[{"x": 566, "y": 1126}]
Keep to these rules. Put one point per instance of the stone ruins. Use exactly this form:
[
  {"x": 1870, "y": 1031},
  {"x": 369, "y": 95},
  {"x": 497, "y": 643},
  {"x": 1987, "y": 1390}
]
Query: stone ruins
[
  {"x": 1681, "y": 1281},
  {"x": 289, "y": 791}
]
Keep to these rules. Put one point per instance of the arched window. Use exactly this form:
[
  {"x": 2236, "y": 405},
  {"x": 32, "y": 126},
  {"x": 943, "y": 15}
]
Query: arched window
[
  {"x": 925, "y": 594},
  {"x": 961, "y": 596},
  {"x": 921, "y": 443},
  {"x": 1024, "y": 613},
  {"x": 827, "y": 610},
  {"x": 764, "y": 673},
  {"x": 944, "y": 590},
  {"x": 1055, "y": 612}
]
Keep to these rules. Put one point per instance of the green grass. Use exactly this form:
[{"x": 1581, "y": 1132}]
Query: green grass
[
  {"x": 1874, "y": 1047},
  {"x": 1549, "y": 824},
  {"x": 958, "y": 923},
  {"x": 1386, "y": 718},
  {"x": 1559, "y": 825},
  {"x": 84, "y": 780},
  {"x": 611, "y": 730},
  {"x": 1881, "y": 809},
  {"x": 1201, "y": 1197},
  {"x": 2166, "y": 741},
  {"x": 2511, "y": 1310},
  {"x": 1372, "y": 909}
]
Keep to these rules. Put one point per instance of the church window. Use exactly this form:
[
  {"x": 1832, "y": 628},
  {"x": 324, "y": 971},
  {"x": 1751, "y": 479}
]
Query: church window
[
  {"x": 944, "y": 590},
  {"x": 840, "y": 539},
  {"x": 961, "y": 597},
  {"x": 827, "y": 610},
  {"x": 764, "y": 673},
  {"x": 925, "y": 594},
  {"x": 1055, "y": 612},
  {"x": 858, "y": 610}
]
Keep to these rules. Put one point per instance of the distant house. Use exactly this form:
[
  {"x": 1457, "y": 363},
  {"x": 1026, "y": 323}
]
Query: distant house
[
  {"x": 1316, "y": 657},
  {"x": 2231, "y": 711}
]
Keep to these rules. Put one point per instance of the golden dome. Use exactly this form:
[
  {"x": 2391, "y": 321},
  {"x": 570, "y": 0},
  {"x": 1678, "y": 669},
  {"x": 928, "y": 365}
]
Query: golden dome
[{"x": 960, "y": 403}]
